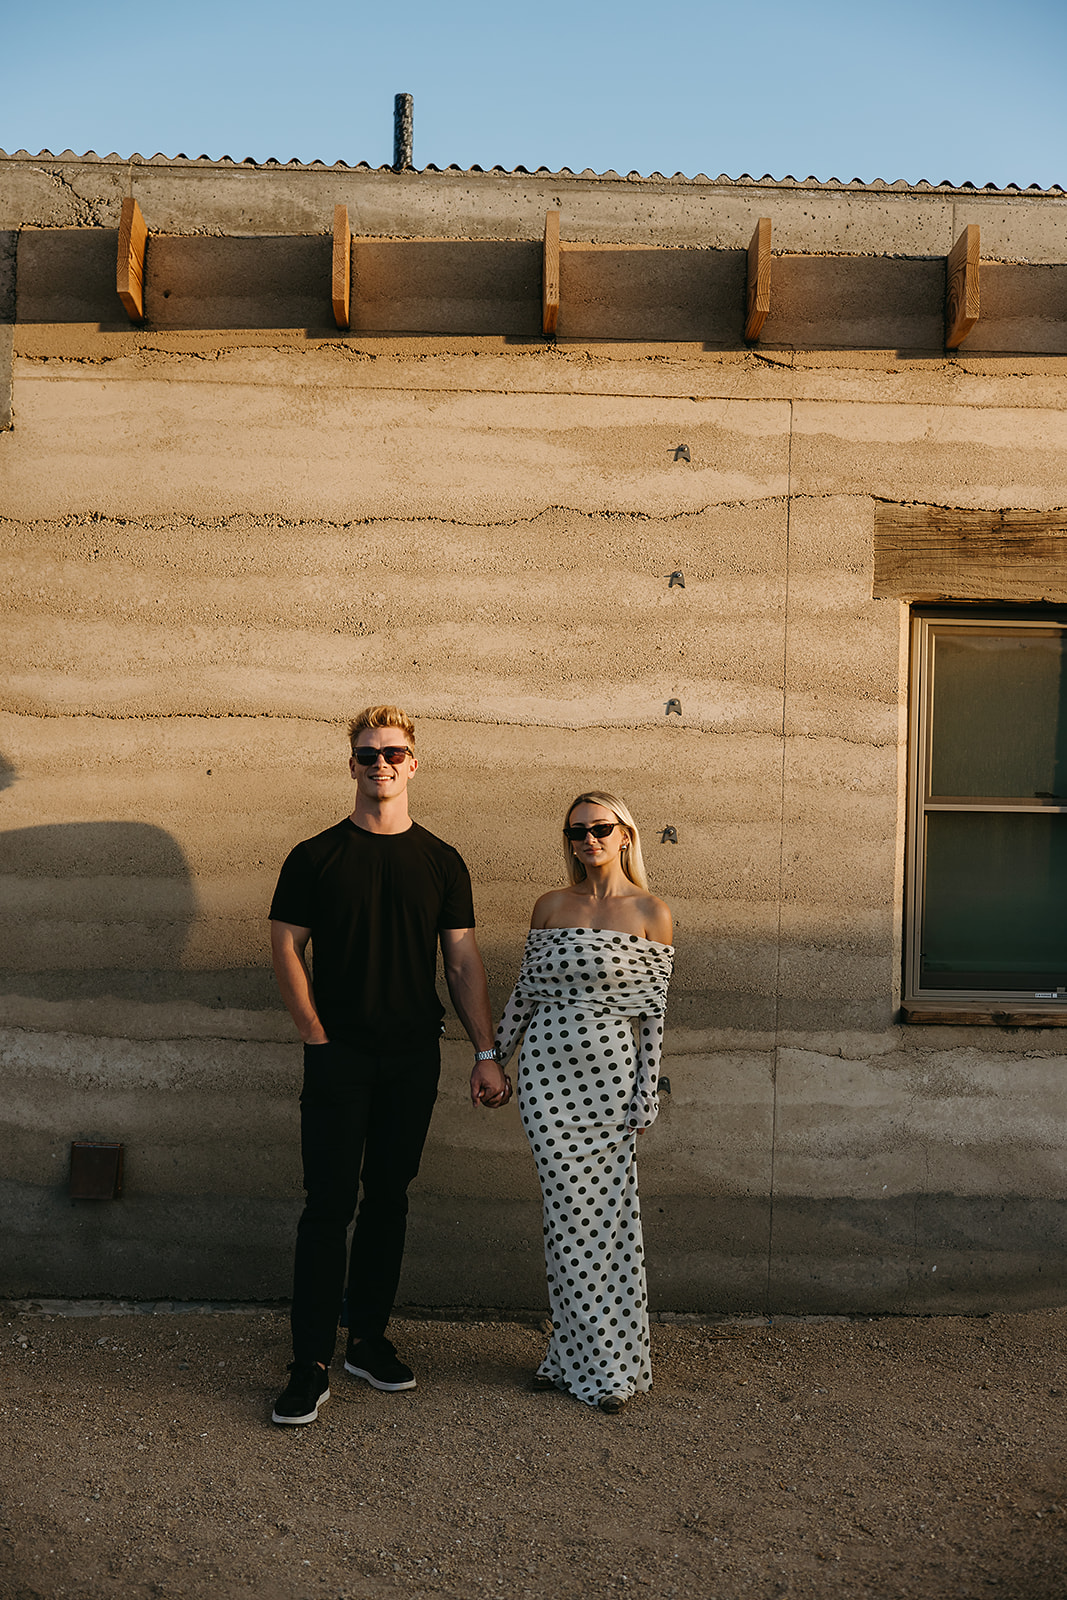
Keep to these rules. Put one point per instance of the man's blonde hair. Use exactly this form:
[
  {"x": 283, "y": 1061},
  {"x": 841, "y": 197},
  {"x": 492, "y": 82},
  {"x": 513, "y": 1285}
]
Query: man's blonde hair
[{"x": 381, "y": 717}]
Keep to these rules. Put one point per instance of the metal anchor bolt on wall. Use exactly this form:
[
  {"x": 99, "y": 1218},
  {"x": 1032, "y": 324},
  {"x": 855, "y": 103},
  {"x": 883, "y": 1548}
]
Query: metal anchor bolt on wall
[
  {"x": 669, "y": 836},
  {"x": 677, "y": 578},
  {"x": 675, "y": 706},
  {"x": 681, "y": 452}
]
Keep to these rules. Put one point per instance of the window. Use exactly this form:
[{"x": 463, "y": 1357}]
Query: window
[{"x": 987, "y": 859}]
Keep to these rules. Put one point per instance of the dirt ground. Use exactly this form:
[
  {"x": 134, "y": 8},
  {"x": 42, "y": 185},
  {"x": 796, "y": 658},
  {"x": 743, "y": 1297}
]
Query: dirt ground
[{"x": 895, "y": 1458}]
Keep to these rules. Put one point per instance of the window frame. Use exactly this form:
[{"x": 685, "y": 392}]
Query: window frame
[{"x": 926, "y": 1004}]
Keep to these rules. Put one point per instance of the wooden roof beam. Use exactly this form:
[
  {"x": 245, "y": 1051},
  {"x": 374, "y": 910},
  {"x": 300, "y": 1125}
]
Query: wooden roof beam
[
  {"x": 133, "y": 240},
  {"x": 550, "y": 275},
  {"x": 341, "y": 288},
  {"x": 758, "y": 296},
  {"x": 961, "y": 289}
]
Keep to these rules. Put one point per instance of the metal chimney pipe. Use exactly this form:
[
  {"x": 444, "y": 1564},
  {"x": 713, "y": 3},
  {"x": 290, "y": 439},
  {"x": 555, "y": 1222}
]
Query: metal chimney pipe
[{"x": 403, "y": 131}]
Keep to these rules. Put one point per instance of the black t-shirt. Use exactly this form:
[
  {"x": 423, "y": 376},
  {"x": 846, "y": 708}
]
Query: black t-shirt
[{"x": 375, "y": 904}]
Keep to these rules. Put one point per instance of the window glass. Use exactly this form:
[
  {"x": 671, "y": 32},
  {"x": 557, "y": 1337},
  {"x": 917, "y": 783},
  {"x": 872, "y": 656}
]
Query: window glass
[
  {"x": 999, "y": 714},
  {"x": 987, "y": 845},
  {"x": 994, "y": 913}
]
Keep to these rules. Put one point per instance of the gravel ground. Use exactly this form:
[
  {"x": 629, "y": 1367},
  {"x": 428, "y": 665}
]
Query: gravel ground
[{"x": 893, "y": 1458}]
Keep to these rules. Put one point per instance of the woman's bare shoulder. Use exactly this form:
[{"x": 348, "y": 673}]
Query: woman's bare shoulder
[
  {"x": 548, "y": 906},
  {"x": 659, "y": 924}
]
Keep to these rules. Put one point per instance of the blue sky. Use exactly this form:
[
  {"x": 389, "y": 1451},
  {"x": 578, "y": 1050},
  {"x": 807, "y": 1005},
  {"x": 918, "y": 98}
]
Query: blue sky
[{"x": 943, "y": 89}]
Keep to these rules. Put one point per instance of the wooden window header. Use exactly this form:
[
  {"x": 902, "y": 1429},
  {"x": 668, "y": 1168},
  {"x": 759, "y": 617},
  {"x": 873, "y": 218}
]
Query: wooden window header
[{"x": 933, "y": 553}]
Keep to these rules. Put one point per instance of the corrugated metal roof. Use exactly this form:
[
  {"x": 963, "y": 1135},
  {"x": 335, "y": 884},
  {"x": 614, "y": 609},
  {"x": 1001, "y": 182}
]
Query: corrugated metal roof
[{"x": 746, "y": 180}]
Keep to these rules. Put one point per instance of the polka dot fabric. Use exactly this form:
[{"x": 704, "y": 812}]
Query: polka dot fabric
[{"x": 591, "y": 1004}]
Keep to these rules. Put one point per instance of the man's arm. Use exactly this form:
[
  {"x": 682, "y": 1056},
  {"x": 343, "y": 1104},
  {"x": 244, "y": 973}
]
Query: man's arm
[
  {"x": 288, "y": 948},
  {"x": 465, "y": 976}
]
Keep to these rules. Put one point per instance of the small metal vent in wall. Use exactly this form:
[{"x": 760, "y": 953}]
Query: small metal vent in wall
[{"x": 95, "y": 1171}]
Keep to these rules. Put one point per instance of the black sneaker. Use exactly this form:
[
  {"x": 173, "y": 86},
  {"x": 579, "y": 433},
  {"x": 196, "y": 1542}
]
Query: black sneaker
[
  {"x": 307, "y": 1389},
  {"x": 376, "y": 1360}
]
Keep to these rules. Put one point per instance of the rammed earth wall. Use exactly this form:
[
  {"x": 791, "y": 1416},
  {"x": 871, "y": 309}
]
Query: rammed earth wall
[{"x": 224, "y": 530}]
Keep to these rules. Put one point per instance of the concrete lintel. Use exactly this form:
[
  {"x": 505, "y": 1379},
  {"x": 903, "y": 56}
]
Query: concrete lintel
[{"x": 194, "y": 197}]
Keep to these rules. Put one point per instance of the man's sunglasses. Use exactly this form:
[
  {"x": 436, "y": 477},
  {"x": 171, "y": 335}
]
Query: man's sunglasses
[
  {"x": 577, "y": 831},
  {"x": 391, "y": 754}
]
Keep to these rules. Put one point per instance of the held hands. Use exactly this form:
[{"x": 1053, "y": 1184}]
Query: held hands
[{"x": 490, "y": 1086}]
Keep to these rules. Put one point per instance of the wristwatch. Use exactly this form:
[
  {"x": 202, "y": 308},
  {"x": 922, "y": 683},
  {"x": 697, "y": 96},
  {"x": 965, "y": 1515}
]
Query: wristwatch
[{"x": 487, "y": 1055}]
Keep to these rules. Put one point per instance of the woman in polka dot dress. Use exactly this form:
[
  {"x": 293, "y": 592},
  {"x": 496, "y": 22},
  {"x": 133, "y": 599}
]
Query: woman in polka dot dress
[{"x": 591, "y": 995}]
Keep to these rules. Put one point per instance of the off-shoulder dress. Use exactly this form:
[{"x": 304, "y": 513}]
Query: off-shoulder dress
[{"x": 591, "y": 1003}]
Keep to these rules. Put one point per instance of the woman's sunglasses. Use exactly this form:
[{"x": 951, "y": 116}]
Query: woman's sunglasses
[
  {"x": 391, "y": 754},
  {"x": 577, "y": 831}
]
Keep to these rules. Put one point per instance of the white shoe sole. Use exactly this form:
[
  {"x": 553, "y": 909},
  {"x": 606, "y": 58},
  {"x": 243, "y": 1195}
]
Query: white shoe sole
[
  {"x": 376, "y": 1383},
  {"x": 310, "y": 1417}
]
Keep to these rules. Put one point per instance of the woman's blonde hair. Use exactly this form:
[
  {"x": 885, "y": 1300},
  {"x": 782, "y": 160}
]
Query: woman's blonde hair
[{"x": 631, "y": 860}]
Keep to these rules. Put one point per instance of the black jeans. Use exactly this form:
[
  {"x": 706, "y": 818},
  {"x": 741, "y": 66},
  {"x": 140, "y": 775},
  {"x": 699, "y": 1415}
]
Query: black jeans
[{"x": 362, "y": 1115}]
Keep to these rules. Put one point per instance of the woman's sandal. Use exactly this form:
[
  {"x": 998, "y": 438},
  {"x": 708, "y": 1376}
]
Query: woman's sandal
[
  {"x": 540, "y": 1383},
  {"x": 612, "y": 1403}
]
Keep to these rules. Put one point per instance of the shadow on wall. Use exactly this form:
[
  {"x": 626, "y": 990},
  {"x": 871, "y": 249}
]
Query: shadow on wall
[
  {"x": 102, "y": 912},
  {"x": 93, "y": 908},
  {"x": 492, "y": 287},
  {"x": 68, "y": 275}
]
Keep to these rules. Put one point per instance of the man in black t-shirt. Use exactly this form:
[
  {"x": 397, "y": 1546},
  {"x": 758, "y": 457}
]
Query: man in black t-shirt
[{"x": 372, "y": 896}]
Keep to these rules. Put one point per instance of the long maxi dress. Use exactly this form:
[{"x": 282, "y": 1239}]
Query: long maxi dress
[{"x": 591, "y": 1003}]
